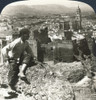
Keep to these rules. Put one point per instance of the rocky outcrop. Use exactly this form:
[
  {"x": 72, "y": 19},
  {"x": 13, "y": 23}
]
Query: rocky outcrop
[
  {"x": 45, "y": 83},
  {"x": 50, "y": 82}
]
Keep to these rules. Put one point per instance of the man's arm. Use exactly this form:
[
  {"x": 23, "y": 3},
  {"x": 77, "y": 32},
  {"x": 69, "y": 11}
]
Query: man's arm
[
  {"x": 29, "y": 51},
  {"x": 6, "y": 50}
]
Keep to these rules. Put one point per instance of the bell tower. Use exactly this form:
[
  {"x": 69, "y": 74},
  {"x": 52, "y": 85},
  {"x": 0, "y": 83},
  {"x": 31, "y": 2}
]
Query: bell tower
[{"x": 78, "y": 18}]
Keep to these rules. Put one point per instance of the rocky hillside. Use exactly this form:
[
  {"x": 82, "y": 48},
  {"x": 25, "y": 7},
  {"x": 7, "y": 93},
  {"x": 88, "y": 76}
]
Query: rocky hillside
[{"x": 48, "y": 83}]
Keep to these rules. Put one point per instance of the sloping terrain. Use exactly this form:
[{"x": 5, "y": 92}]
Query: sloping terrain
[{"x": 47, "y": 83}]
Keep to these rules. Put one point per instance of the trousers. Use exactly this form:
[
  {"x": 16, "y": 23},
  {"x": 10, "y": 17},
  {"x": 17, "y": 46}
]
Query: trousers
[{"x": 14, "y": 68}]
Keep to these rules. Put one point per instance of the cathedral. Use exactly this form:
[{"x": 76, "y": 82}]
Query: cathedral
[{"x": 78, "y": 19}]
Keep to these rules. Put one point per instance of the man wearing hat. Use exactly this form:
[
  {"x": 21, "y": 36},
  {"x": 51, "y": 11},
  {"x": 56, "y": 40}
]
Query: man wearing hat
[{"x": 18, "y": 53}]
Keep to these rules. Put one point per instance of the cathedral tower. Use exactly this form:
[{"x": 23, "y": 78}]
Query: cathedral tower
[{"x": 78, "y": 18}]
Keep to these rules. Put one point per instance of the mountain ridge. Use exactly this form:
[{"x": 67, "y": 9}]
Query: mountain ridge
[{"x": 42, "y": 10}]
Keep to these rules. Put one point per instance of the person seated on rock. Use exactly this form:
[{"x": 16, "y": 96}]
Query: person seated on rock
[
  {"x": 82, "y": 53},
  {"x": 18, "y": 53}
]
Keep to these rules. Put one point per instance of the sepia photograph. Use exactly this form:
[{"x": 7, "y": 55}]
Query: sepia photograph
[{"x": 48, "y": 50}]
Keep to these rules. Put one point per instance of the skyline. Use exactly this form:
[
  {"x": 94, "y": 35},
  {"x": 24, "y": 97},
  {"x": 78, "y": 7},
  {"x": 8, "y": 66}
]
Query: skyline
[{"x": 30, "y": 3}]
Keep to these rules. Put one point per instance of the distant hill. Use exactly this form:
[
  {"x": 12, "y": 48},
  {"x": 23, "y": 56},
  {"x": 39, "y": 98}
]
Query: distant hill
[{"x": 25, "y": 10}]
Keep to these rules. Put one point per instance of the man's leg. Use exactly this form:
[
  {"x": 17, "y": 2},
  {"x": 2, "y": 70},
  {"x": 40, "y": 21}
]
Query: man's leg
[
  {"x": 27, "y": 62},
  {"x": 13, "y": 75},
  {"x": 22, "y": 70}
]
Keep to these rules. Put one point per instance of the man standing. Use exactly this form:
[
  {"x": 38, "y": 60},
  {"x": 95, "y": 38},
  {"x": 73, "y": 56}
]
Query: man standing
[{"x": 17, "y": 53}]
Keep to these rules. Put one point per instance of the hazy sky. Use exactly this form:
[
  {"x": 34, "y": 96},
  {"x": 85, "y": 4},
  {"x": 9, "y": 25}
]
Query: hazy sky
[{"x": 67, "y": 3}]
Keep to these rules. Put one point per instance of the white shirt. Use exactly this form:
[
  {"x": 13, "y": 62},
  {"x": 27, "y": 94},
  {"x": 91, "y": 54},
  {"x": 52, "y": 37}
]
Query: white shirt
[{"x": 16, "y": 48}]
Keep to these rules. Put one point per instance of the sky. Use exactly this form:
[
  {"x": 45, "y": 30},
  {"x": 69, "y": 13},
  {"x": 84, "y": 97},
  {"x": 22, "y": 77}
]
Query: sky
[
  {"x": 3, "y": 3},
  {"x": 67, "y": 3}
]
